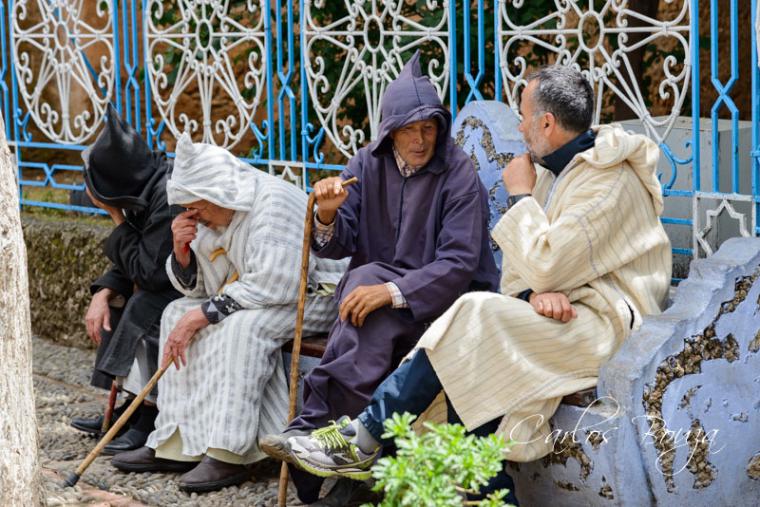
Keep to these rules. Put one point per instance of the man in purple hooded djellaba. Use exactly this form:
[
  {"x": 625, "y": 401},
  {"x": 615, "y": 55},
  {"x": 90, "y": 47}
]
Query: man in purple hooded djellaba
[{"x": 416, "y": 229}]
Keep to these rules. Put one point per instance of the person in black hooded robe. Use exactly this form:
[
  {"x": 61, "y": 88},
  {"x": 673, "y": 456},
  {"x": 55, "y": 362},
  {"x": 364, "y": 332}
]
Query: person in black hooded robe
[{"x": 127, "y": 180}]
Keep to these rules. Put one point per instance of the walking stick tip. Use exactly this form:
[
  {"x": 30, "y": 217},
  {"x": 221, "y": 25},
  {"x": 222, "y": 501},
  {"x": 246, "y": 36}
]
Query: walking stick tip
[{"x": 71, "y": 480}]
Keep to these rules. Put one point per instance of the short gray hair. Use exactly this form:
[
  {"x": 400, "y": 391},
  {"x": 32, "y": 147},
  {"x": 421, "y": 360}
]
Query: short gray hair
[{"x": 565, "y": 93}]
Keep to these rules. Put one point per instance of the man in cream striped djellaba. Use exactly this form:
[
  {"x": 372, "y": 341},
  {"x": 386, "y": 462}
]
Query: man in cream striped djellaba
[
  {"x": 585, "y": 257},
  {"x": 240, "y": 278}
]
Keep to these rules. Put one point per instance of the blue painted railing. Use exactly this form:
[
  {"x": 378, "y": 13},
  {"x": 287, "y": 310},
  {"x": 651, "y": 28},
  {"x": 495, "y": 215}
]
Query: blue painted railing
[{"x": 292, "y": 92}]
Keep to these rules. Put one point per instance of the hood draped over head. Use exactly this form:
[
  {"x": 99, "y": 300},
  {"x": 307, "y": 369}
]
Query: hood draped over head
[
  {"x": 410, "y": 97},
  {"x": 210, "y": 173},
  {"x": 614, "y": 146},
  {"x": 119, "y": 165}
]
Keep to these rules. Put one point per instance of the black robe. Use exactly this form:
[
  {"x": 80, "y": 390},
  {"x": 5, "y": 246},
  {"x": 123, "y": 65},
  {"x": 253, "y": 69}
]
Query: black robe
[{"x": 138, "y": 249}]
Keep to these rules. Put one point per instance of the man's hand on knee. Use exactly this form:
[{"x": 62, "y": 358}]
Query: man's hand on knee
[
  {"x": 98, "y": 315},
  {"x": 175, "y": 349},
  {"x": 364, "y": 300},
  {"x": 554, "y": 305}
]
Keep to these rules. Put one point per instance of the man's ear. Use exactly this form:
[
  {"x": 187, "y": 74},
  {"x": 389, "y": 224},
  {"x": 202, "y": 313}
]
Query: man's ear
[{"x": 550, "y": 122}]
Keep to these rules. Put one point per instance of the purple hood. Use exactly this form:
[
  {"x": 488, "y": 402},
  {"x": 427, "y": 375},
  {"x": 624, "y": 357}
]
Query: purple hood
[{"x": 412, "y": 97}]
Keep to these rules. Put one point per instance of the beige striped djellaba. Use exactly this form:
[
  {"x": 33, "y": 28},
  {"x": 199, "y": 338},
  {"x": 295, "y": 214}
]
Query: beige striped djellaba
[
  {"x": 234, "y": 386},
  {"x": 592, "y": 233}
]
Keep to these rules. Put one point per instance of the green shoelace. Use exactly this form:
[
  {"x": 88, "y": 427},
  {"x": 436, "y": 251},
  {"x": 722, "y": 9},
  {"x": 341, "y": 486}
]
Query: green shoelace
[{"x": 331, "y": 437}]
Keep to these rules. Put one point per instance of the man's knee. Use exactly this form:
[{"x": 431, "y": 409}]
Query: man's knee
[{"x": 368, "y": 274}]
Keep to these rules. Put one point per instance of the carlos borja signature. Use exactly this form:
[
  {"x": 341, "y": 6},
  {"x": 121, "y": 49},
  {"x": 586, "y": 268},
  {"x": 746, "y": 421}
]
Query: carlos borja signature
[{"x": 655, "y": 432}]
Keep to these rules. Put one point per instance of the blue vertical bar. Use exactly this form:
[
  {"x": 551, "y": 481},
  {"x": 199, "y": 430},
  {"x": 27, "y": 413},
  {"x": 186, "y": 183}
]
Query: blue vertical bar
[
  {"x": 497, "y": 51},
  {"x": 734, "y": 77},
  {"x": 473, "y": 82},
  {"x": 117, "y": 56},
  {"x": 467, "y": 65},
  {"x": 723, "y": 93},
  {"x": 291, "y": 97},
  {"x": 4, "y": 47},
  {"x": 304, "y": 95},
  {"x": 695, "y": 110},
  {"x": 481, "y": 47},
  {"x": 16, "y": 119},
  {"x": 714, "y": 74},
  {"x": 270, "y": 95},
  {"x": 453, "y": 58},
  {"x": 281, "y": 123},
  {"x": 149, "y": 121},
  {"x": 131, "y": 63},
  {"x": 754, "y": 167}
]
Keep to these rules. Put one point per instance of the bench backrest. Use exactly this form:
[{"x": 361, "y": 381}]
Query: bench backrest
[{"x": 487, "y": 131}]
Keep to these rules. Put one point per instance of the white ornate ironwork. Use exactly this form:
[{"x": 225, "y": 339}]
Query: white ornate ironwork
[
  {"x": 596, "y": 41},
  {"x": 206, "y": 39},
  {"x": 289, "y": 171},
  {"x": 372, "y": 35},
  {"x": 65, "y": 92},
  {"x": 701, "y": 234}
]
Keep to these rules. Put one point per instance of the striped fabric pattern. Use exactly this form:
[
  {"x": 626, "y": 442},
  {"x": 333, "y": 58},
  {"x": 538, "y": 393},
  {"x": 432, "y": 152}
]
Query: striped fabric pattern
[
  {"x": 594, "y": 234},
  {"x": 234, "y": 386}
]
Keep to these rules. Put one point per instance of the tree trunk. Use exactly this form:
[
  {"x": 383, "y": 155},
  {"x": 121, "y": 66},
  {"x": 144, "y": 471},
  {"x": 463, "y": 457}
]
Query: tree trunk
[{"x": 19, "y": 471}]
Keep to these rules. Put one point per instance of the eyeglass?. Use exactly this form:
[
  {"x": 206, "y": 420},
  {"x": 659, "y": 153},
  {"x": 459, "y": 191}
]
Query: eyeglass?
[{"x": 195, "y": 208}]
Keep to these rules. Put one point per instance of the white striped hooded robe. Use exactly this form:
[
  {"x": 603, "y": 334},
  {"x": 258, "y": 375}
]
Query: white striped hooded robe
[
  {"x": 594, "y": 234},
  {"x": 234, "y": 386}
]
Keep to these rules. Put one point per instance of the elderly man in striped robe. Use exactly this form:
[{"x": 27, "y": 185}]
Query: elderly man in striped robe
[
  {"x": 585, "y": 257},
  {"x": 236, "y": 259}
]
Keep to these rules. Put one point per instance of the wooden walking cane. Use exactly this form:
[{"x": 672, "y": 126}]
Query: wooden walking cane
[
  {"x": 110, "y": 407},
  {"x": 295, "y": 356},
  {"x": 73, "y": 477}
]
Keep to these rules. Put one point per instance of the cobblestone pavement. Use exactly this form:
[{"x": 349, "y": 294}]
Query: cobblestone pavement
[{"x": 61, "y": 381}]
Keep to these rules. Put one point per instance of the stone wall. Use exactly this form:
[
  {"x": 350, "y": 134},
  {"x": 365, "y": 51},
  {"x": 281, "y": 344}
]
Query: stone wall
[
  {"x": 65, "y": 255},
  {"x": 678, "y": 412}
]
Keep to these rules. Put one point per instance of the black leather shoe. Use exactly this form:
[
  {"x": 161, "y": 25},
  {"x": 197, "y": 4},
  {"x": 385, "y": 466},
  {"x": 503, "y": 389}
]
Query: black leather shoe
[
  {"x": 212, "y": 475},
  {"x": 93, "y": 425},
  {"x": 88, "y": 425},
  {"x": 144, "y": 460},
  {"x": 129, "y": 441}
]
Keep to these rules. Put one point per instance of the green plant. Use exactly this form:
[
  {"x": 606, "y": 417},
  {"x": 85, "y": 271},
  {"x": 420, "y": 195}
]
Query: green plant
[{"x": 438, "y": 467}]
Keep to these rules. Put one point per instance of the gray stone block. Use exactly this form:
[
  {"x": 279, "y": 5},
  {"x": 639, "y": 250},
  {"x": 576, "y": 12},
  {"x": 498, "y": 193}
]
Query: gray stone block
[{"x": 684, "y": 398}]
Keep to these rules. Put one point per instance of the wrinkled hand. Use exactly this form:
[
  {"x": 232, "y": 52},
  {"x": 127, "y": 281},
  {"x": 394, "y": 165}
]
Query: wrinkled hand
[
  {"x": 362, "y": 301},
  {"x": 554, "y": 305},
  {"x": 98, "y": 315},
  {"x": 520, "y": 175},
  {"x": 115, "y": 213},
  {"x": 184, "y": 229},
  {"x": 330, "y": 194},
  {"x": 179, "y": 339}
]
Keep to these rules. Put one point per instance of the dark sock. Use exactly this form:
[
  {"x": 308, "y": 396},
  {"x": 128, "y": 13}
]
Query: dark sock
[
  {"x": 144, "y": 422},
  {"x": 117, "y": 411}
]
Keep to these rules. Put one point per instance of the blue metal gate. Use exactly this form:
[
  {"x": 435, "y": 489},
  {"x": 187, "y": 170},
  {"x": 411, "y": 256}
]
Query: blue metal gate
[{"x": 294, "y": 87}]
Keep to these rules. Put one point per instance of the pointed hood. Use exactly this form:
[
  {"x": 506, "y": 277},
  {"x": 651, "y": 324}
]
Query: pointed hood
[
  {"x": 614, "y": 146},
  {"x": 411, "y": 97},
  {"x": 119, "y": 165},
  {"x": 208, "y": 172}
]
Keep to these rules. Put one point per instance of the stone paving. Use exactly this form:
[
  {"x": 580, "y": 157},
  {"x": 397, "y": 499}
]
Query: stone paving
[{"x": 61, "y": 376}]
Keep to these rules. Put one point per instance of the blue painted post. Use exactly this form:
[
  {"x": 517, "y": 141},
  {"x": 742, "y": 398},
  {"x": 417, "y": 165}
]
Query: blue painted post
[
  {"x": 754, "y": 156},
  {"x": 695, "y": 109},
  {"x": 453, "y": 59}
]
